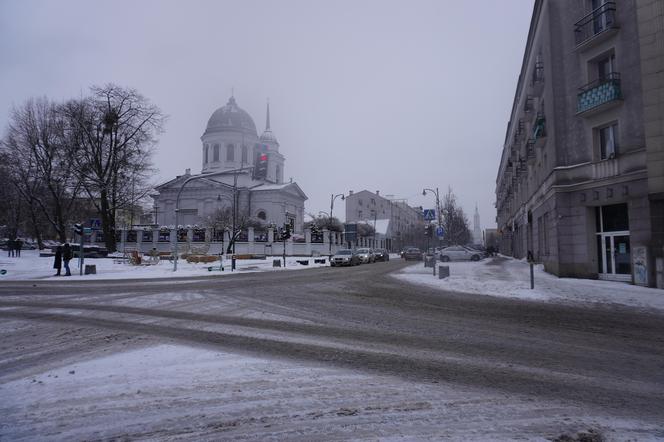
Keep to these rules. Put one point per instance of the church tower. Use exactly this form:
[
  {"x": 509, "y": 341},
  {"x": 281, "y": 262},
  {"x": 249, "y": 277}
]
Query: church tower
[
  {"x": 477, "y": 231},
  {"x": 268, "y": 144}
]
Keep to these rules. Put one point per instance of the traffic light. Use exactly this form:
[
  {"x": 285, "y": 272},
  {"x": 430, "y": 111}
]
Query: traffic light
[
  {"x": 78, "y": 228},
  {"x": 261, "y": 166},
  {"x": 286, "y": 232}
]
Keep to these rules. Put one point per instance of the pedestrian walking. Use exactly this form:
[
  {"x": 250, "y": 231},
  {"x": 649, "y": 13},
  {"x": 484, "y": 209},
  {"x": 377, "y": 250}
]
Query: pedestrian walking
[
  {"x": 10, "y": 248},
  {"x": 66, "y": 257},
  {"x": 57, "y": 263},
  {"x": 18, "y": 245}
]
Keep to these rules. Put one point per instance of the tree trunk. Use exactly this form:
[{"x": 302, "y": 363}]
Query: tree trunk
[{"x": 107, "y": 224}]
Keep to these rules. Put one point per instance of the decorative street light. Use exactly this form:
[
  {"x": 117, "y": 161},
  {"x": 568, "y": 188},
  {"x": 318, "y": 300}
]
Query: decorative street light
[
  {"x": 177, "y": 203},
  {"x": 329, "y": 232}
]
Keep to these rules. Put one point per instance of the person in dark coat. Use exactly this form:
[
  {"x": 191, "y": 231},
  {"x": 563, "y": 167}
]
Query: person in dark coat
[
  {"x": 66, "y": 257},
  {"x": 10, "y": 248},
  {"x": 18, "y": 245},
  {"x": 57, "y": 263}
]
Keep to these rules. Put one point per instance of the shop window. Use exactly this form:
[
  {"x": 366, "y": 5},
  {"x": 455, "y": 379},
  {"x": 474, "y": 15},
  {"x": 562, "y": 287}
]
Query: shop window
[{"x": 613, "y": 218}]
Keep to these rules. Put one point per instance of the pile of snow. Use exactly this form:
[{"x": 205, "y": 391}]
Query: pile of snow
[
  {"x": 31, "y": 266},
  {"x": 508, "y": 277}
]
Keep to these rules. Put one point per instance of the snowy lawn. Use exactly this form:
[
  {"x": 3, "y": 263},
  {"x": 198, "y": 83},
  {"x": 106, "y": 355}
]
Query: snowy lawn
[
  {"x": 31, "y": 266},
  {"x": 508, "y": 277}
]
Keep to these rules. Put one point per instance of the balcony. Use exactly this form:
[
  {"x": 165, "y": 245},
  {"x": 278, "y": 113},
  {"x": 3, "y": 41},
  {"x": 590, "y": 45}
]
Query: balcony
[
  {"x": 599, "y": 94},
  {"x": 596, "y": 26}
]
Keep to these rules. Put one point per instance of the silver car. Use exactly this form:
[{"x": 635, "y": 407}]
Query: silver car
[
  {"x": 344, "y": 257},
  {"x": 366, "y": 255},
  {"x": 459, "y": 253}
]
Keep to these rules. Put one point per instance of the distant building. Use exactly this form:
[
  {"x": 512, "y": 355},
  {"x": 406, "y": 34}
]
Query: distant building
[
  {"x": 477, "y": 230},
  {"x": 581, "y": 178},
  {"x": 231, "y": 152},
  {"x": 398, "y": 223}
]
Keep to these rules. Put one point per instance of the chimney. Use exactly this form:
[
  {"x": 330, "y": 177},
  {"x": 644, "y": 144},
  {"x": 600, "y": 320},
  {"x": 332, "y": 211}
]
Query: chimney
[
  {"x": 187, "y": 172},
  {"x": 350, "y": 192},
  {"x": 378, "y": 192}
]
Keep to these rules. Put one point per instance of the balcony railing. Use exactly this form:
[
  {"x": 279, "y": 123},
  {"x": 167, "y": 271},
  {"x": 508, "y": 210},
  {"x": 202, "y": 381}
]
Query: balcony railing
[
  {"x": 599, "y": 92},
  {"x": 596, "y": 22}
]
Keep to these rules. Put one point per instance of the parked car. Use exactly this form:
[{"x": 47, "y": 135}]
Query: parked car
[
  {"x": 412, "y": 253},
  {"x": 344, "y": 257},
  {"x": 366, "y": 255},
  {"x": 459, "y": 253},
  {"x": 382, "y": 255}
]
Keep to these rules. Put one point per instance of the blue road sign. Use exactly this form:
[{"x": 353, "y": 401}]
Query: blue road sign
[
  {"x": 440, "y": 231},
  {"x": 429, "y": 214}
]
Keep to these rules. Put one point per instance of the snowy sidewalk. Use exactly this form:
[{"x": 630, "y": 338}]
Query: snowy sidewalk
[
  {"x": 31, "y": 266},
  {"x": 507, "y": 277}
]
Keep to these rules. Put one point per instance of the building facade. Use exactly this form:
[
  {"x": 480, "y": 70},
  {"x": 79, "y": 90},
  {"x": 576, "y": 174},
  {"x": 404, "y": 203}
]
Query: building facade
[
  {"x": 581, "y": 178},
  {"x": 395, "y": 220},
  {"x": 231, "y": 177}
]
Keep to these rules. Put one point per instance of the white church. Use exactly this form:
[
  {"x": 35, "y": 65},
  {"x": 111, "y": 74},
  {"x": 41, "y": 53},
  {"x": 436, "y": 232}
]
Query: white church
[{"x": 231, "y": 152}]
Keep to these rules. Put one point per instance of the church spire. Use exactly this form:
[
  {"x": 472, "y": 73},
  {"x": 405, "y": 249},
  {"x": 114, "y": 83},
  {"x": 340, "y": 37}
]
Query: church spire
[{"x": 267, "y": 119}]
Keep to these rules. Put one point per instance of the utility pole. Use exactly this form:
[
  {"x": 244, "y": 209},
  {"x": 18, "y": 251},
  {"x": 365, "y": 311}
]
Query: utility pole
[{"x": 329, "y": 232}]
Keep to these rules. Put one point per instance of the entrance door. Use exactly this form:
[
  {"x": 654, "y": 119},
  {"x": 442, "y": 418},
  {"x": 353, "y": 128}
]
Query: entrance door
[{"x": 615, "y": 258}]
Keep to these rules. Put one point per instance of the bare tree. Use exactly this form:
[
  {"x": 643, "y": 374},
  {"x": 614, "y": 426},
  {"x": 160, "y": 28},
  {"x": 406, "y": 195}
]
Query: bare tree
[
  {"x": 222, "y": 219},
  {"x": 41, "y": 165},
  {"x": 455, "y": 221},
  {"x": 114, "y": 132}
]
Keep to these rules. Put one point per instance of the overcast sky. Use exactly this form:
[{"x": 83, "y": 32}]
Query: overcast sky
[{"x": 376, "y": 95}]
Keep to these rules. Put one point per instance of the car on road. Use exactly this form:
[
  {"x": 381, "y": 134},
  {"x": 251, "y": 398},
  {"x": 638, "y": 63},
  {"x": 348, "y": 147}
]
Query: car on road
[
  {"x": 459, "y": 253},
  {"x": 344, "y": 257},
  {"x": 412, "y": 253},
  {"x": 366, "y": 255},
  {"x": 382, "y": 255}
]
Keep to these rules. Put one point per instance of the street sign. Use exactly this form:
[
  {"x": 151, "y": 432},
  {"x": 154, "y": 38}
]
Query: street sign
[
  {"x": 429, "y": 214},
  {"x": 440, "y": 232},
  {"x": 87, "y": 230},
  {"x": 350, "y": 232}
]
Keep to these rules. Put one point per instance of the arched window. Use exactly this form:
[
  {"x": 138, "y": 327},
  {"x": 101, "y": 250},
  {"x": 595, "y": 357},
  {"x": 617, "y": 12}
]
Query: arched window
[
  {"x": 215, "y": 151},
  {"x": 245, "y": 155},
  {"x": 206, "y": 153},
  {"x": 230, "y": 153},
  {"x": 262, "y": 215},
  {"x": 278, "y": 174}
]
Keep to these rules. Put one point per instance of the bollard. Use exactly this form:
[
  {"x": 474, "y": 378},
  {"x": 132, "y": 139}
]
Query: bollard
[
  {"x": 90, "y": 269},
  {"x": 233, "y": 263},
  {"x": 276, "y": 263}
]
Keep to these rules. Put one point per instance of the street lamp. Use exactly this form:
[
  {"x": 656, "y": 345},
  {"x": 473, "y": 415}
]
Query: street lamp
[
  {"x": 177, "y": 203},
  {"x": 329, "y": 232},
  {"x": 424, "y": 192}
]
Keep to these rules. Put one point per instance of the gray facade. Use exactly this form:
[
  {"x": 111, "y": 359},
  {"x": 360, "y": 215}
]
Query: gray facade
[
  {"x": 405, "y": 225},
  {"x": 581, "y": 178}
]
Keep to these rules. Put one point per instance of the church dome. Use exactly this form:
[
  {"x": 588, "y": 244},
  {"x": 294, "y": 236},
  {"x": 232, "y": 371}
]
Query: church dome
[{"x": 231, "y": 118}]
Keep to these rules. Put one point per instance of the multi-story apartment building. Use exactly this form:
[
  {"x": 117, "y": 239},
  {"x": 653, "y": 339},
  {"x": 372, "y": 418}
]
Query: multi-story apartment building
[
  {"x": 404, "y": 226},
  {"x": 581, "y": 177}
]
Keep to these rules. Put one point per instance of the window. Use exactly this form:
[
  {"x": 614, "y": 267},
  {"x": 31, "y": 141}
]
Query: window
[
  {"x": 607, "y": 141},
  {"x": 230, "y": 153},
  {"x": 215, "y": 156},
  {"x": 605, "y": 67},
  {"x": 278, "y": 174},
  {"x": 245, "y": 154},
  {"x": 262, "y": 215},
  {"x": 359, "y": 214},
  {"x": 206, "y": 154}
]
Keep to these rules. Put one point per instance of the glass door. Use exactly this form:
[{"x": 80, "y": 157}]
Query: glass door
[{"x": 614, "y": 256}]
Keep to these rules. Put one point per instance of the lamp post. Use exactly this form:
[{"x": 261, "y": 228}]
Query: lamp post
[
  {"x": 424, "y": 192},
  {"x": 440, "y": 222},
  {"x": 329, "y": 232}
]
